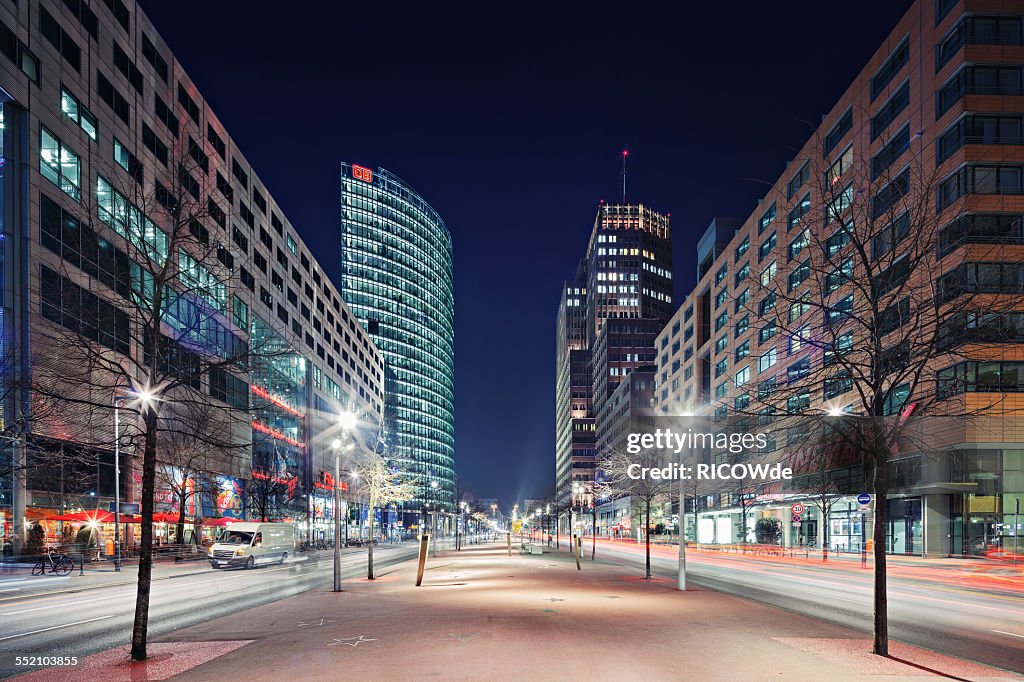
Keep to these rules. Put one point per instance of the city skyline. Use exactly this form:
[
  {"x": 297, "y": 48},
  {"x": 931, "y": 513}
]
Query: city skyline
[
  {"x": 419, "y": 123},
  {"x": 423, "y": 343}
]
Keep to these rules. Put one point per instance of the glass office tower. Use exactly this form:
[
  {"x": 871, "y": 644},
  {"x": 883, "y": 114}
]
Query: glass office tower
[{"x": 396, "y": 255}]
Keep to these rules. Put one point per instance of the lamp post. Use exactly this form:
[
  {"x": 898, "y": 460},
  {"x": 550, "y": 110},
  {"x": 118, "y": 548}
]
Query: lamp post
[
  {"x": 145, "y": 397},
  {"x": 460, "y": 530},
  {"x": 117, "y": 481},
  {"x": 347, "y": 421}
]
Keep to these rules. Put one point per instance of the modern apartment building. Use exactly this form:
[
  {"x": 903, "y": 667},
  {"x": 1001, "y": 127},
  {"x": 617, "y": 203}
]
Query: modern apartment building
[
  {"x": 397, "y": 279},
  {"x": 931, "y": 131},
  {"x": 98, "y": 118}
]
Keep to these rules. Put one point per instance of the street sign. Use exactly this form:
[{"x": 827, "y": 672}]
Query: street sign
[
  {"x": 796, "y": 518},
  {"x": 796, "y": 524},
  {"x": 127, "y": 508},
  {"x": 863, "y": 499},
  {"x": 798, "y": 509}
]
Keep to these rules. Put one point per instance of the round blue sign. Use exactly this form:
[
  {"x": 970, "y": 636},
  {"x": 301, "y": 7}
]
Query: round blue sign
[{"x": 863, "y": 498}]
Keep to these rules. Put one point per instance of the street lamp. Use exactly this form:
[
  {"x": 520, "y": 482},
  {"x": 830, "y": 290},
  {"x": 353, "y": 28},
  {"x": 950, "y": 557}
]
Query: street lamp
[
  {"x": 434, "y": 485},
  {"x": 547, "y": 514},
  {"x": 145, "y": 397},
  {"x": 460, "y": 529},
  {"x": 347, "y": 421}
]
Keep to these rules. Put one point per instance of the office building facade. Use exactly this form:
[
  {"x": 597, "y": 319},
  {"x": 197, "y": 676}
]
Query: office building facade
[
  {"x": 397, "y": 279},
  {"x": 929, "y": 133},
  {"x": 99, "y": 118}
]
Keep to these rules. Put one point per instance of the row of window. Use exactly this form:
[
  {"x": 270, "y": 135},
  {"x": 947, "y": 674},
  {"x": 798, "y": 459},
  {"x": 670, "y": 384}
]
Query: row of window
[{"x": 62, "y": 166}]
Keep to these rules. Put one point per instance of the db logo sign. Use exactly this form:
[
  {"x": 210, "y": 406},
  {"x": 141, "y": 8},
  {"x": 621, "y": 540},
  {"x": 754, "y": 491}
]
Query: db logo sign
[{"x": 360, "y": 173}]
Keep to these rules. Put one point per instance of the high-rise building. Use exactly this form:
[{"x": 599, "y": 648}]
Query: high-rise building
[
  {"x": 574, "y": 419},
  {"x": 608, "y": 318},
  {"x": 927, "y": 134},
  {"x": 101, "y": 126},
  {"x": 397, "y": 264},
  {"x": 629, "y": 277}
]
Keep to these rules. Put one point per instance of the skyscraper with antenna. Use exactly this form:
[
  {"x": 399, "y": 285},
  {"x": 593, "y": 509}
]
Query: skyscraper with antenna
[{"x": 608, "y": 318}]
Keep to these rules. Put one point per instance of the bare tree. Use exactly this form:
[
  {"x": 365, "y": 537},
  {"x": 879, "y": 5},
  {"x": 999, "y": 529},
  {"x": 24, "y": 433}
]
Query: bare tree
[
  {"x": 157, "y": 319},
  {"x": 870, "y": 314},
  {"x": 187, "y": 454},
  {"x": 383, "y": 484},
  {"x": 617, "y": 467},
  {"x": 271, "y": 486}
]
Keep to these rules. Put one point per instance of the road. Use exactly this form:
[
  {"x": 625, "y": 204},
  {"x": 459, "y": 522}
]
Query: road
[
  {"x": 982, "y": 622},
  {"x": 77, "y": 624}
]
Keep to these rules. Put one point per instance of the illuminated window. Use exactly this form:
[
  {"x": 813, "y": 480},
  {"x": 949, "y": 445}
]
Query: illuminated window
[
  {"x": 74, "y": 110},
  {"x": 59, "y": 165},
  {"x": 127, "y": 220},
  {"x": 240, "y": 313},
  {"x": 201, "y": 281}
]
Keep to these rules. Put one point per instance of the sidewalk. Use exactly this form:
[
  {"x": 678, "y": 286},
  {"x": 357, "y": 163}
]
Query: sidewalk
[
  {"x": 993, "y": 573},
  {"x": 481, "y": 615}
]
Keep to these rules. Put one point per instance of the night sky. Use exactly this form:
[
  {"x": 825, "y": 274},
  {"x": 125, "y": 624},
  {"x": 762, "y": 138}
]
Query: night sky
[{"x": 511, "y": 126}]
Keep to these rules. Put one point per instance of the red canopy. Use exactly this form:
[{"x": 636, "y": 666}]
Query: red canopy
[
  {"x": 223, "y": 521},
  {"x": 95, "y": 516}
]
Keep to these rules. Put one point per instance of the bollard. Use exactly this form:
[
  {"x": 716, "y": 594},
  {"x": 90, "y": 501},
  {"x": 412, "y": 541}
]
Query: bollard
[
  {"x": 576, "y": 551},
  {"x": 424, "y": 543},
  {"x": 508, "y": 536},
  {"x": 863, "y": 557}
]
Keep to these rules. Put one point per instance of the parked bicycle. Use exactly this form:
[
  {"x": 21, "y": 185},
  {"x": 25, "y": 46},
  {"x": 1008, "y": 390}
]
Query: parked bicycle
[{"x": 58, "y": 564}]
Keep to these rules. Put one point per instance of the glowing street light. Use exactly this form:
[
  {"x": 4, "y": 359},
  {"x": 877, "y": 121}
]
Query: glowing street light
[
  {"x": 146, "y": 397},
  {"x": 347, "y": 421}
]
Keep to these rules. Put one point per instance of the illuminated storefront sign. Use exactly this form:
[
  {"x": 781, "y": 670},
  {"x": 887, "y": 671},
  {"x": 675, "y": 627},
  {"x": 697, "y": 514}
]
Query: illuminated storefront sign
[{"x": 325, "y": 481}]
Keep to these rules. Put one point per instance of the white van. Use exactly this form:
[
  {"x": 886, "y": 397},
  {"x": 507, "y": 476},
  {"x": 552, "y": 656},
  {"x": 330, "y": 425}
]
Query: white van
[{"x": 250, "y": 543}]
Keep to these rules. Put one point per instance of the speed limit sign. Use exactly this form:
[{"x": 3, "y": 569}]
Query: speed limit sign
[{"x": 798, "y": 509}]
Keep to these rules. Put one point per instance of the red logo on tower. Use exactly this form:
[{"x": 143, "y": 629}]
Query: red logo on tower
[{"x": 360, "y": 173}]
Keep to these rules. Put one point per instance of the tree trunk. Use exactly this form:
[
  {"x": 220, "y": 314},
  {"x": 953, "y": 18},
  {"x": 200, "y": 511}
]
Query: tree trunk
[
  {"x": 647, "y": 537},
  {"x": 180, "y": 530},
  {"x": 572, "y": 532},
  {"x": 369, "y": 553},
  {"x": 695, "y": 515},
  {"x": 824, "y": 531},
  {"x": 881, "y": 599},
  {"x": 141, "y": 625}
]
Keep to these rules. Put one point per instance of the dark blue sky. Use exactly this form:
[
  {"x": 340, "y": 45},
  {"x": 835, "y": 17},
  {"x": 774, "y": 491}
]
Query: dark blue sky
[{"x": 511, "y": 124}]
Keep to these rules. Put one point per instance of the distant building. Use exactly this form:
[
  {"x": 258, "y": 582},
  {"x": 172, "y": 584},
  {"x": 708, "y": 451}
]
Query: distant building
[{"x": 608, "y": 318}]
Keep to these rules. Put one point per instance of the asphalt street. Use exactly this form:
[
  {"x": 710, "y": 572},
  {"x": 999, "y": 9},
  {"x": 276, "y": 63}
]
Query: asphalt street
[
  {"x": 979, "y": 624},
  {"x": 77, "y": 624}
]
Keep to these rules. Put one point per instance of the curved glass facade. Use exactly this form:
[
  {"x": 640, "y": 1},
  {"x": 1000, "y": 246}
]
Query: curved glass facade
[{"x": 397, "y": 279}]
